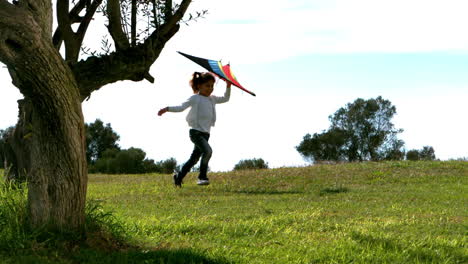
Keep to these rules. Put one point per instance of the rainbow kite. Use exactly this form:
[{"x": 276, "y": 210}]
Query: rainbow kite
[{"x": 223, "y": 72}]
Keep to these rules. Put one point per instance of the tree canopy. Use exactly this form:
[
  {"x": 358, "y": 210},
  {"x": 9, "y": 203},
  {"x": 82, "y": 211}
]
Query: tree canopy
[
  {"x": 98, "y": 139},
  {"x": 359, "y": 131}
]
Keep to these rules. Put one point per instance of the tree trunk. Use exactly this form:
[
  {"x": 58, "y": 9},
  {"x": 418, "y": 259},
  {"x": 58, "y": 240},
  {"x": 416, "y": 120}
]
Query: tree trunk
[
  {"x": 57, "y": 181},
  {"x": 54, "y": 134},
  {"x": 48, "y": 144},
  {"x": 57, "y": 178}
]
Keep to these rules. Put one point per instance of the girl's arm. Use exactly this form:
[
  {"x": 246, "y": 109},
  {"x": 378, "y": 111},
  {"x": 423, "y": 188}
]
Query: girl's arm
[
  {"x": 178, "y": 108},
  {"x": 163, "y": 111},
  {"x": 227, "y": 95}
]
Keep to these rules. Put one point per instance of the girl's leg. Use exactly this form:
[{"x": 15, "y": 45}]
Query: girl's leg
[
  {"x": 202, "y": 149},
  {"x": 200, "y": 140},
  {"x": 196, "y": 154},
  {"x": 206, "y": 156}
]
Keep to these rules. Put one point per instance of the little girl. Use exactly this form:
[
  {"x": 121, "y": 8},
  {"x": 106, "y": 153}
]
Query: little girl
[{"x": 201, "y": 117}]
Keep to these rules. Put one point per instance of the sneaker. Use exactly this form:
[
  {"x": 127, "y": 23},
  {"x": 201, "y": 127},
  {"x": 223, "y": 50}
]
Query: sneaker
[
  {"x": 177, "y": 181},
  {"x": 203, "y": 182}
]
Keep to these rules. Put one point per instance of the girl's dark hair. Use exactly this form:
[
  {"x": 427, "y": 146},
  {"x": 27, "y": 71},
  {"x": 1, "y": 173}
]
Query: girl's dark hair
[{"x": 200, "y": 78}]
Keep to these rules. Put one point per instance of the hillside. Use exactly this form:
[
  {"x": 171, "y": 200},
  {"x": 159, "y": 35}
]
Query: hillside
[{"x": 392, "y": 212}]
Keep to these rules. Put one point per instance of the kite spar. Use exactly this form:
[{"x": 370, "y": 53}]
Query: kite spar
[{"x": 223, "y": 72}]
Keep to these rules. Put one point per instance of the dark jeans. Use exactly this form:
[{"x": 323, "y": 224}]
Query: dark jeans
[{"x": 202, "y": 149}]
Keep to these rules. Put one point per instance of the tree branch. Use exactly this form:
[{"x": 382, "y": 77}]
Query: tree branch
[
  {"x": 115, "y": 25},
  {"x": 168, "y": 10},
  {"x": 64, "y": 24},
  {"x": 74, "y": 17},
  {"x": 130, "y": 64}
]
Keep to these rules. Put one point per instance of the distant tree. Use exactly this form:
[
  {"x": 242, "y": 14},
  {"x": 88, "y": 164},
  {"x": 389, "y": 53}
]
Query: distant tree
[
  {"x": 250, "y": 164},
  {"x": 426, "y": 153},
  {"x": 98, "y": 139},
  {"x": 130, "y": 161},
  {"x": 360, "y": 131},
  {"x": 166, "y": 166},
  {"x": 105, "y": 164},
  {"x": 412, "y": 155},
  {"x": 115, "y": 161},
  {"x": 195, "y": 168},
  {"x": 394, "y": 150},
  {"x": 328, "y": 145},
  {"x": 459, "y": 159}
]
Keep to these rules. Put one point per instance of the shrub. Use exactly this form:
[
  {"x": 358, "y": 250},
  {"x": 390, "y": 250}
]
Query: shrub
[
  {"x": 250, "y": 164},
  {"x": 412, "y": 155}
]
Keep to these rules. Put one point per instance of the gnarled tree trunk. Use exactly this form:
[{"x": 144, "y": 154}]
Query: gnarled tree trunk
[
  {"x": 49, "y": 140},
  {"x": 56, "y": 143}
]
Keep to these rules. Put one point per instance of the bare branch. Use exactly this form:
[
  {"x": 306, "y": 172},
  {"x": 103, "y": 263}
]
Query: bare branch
[
  {"x": 129, "y": 63},
  {"x": 134, "y": 22},
  {"x": 176, "y": 17},
  {"x": 115, "y": 25},
  {"x": 155, "y": 15},
  {"x": 90, "y": 11},
  {"x": 64, "y": 32}
]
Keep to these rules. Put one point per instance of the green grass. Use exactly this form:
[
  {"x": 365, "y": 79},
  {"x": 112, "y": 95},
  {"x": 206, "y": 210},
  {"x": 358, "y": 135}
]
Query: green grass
[{"x": 391, "y": 212}]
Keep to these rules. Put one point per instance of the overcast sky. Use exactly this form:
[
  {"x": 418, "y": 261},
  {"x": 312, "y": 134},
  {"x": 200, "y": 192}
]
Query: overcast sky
[{"x": 304, "y": 60}]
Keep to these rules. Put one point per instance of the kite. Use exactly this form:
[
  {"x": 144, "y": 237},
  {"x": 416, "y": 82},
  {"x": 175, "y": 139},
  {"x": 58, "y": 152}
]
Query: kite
[{"x": 223, "y": 72}]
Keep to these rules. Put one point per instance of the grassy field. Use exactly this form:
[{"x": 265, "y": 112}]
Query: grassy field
[{"x": 391, "y": 212}]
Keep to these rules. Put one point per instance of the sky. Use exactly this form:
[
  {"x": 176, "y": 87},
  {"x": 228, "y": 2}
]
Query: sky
[{"x": 304, "y": 59}]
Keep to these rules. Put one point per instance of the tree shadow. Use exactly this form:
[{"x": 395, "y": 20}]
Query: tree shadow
[
  {"x": 159, "y": 256},
  {"x": 333, "y": 190}
]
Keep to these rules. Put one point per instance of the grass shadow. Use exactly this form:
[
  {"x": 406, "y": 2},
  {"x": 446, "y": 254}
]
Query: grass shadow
[
  {"x": 266, "y": 192},
  {"x": 333, "y": 190}
]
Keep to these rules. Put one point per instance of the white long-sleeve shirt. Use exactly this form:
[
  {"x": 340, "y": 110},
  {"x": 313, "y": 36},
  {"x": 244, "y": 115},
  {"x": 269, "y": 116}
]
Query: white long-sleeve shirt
[{"x": 202, "y": 115}]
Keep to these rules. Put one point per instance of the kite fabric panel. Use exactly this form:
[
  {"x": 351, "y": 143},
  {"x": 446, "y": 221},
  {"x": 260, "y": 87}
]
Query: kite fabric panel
[{"x": 224, "y": 72}]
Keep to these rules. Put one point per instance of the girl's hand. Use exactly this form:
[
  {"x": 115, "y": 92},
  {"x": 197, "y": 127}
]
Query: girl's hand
[{"x": 162, "y": 111}]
